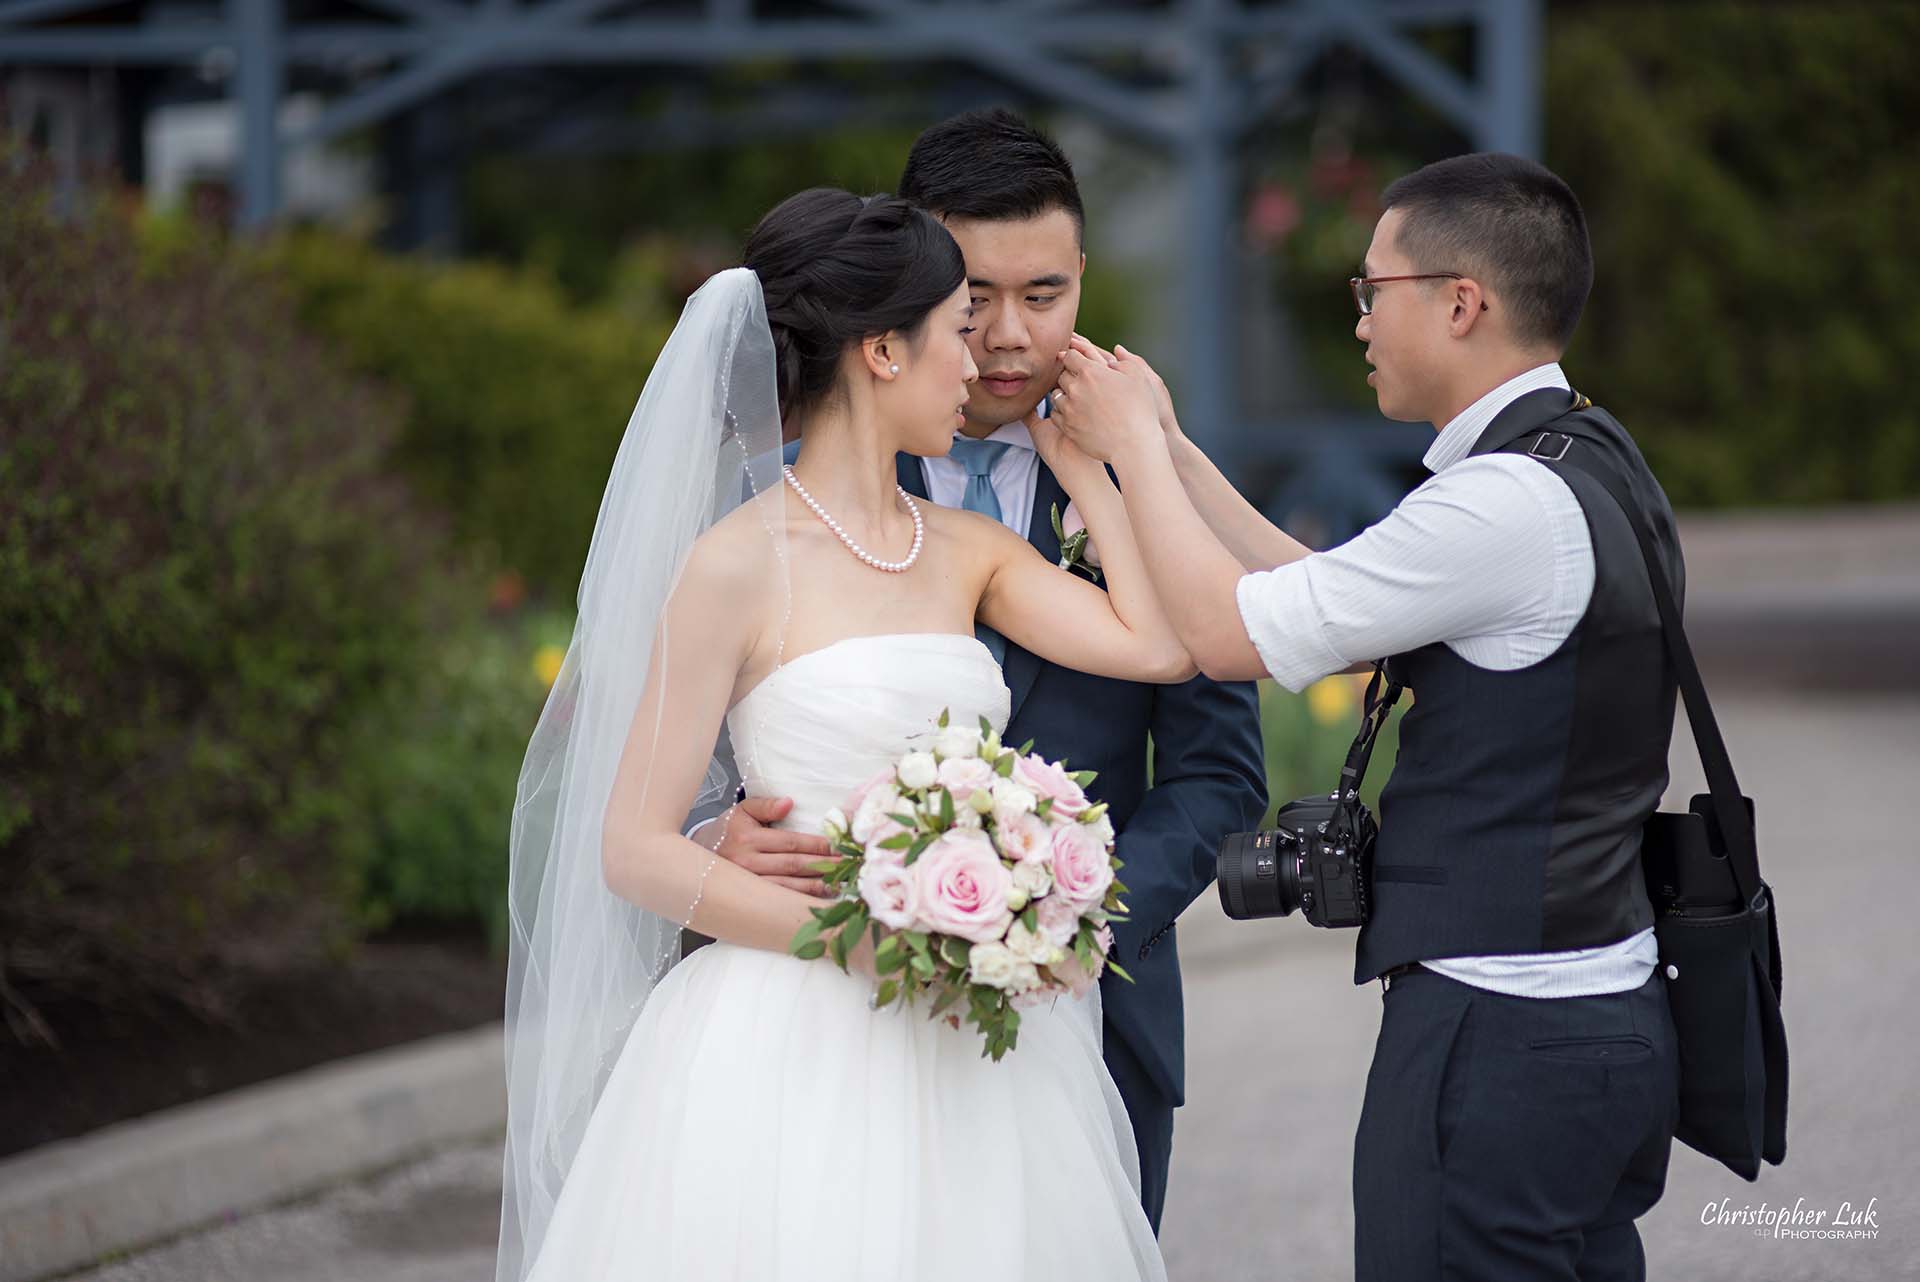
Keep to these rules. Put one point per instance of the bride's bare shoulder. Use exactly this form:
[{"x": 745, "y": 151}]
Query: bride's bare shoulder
[{"x": 736, "y": 551}]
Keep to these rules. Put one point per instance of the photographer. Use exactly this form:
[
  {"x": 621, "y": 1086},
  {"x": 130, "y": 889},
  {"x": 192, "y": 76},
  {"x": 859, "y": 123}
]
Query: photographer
[{"x": 1522, "y": 1098}]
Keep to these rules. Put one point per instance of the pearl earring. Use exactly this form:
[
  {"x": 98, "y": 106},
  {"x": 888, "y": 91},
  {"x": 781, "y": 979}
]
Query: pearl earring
[{"x": 893, "y": 369}]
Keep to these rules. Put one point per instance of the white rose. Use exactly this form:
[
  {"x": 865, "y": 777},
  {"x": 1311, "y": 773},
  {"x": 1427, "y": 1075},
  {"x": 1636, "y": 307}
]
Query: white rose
[
  {"x": 918, "y": 769},
  {"x": 1027, "y": 946},
  {"x": 1026, "y": 977},
  {"x": 836, "y": 818},
  {"x": 967, "y": 817},
  {"x": 1103, "y": 829},
  {"x": 992, "y": 965},
  {"x": 1012, "y": 798},
  {"x": 957, "y": 741},
  {"x": 1033, "y": 879},
  {"x": 873, "y": 813}
]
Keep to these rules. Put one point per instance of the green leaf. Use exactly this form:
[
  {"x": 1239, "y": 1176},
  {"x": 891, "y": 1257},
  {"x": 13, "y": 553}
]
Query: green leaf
[
  {"x": 943, "y": 718},
  {"x": 1114, "y": 966},
  {"x": 1059, "y": 530},
  {"x": 986, "y": 726},
  {"x": 838, "y": 913},
  {"x": 955, "y": 951},
  {"x": 1026, "y": 747},
  {"x": 922, "y": 966},
  {"x": 887, "y": 952},
  {"x": 1004, "y": 766},
  {"x": 1085, "y": 777},
  {"x": 904, "y": 820},
  {"x": 807, "y": 933},
  {"x": 1044, "y": 808},
  {"x": 1030, "y": 919},
  {"x": 920, "y": 844},
  {"x": 888, "y": 991},
  {"x": 825, "y": 866},
  {"x": 946, "y": 999},
  {"x": 916, "y": 940},
  {"x": 810, "y": 950},
  {"x": 946, "y": 808},
  {"x": 899, "y": 841}
]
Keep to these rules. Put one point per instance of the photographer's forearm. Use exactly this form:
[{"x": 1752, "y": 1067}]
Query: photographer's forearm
[
  {"x": 1255, "y": 541},
  {"x": 1193, "y": 573}
]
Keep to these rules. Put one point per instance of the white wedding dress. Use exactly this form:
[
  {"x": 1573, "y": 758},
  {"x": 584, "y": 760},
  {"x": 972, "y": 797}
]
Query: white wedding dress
[{"x": 764, "y": 1124}]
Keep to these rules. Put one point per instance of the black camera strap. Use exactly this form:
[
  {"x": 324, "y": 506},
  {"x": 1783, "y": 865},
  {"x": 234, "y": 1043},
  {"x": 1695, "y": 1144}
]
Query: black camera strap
[
  {"x": 1729, "y": 806},
  {"x": 1373, "y": 719}
]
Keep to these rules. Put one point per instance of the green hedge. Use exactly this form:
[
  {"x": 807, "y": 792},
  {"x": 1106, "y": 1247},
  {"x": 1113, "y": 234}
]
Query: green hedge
[
  {"x": 516, "y": 398},
  {"x": 208, "y": 583},
  {"x": 1750, "y": 181}
]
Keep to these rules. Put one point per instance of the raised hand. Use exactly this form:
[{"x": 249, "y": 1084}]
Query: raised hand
[
  {"x": 782, "y": 857},
  {"x": 1104, "y": 403}
]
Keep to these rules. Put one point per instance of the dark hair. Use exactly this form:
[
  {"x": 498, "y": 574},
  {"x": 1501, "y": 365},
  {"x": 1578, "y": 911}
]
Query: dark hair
[
  {"x": 1508, "y": 221},
  {"x": 836, "y": 268},
  {"x": 990, "y": 164}
]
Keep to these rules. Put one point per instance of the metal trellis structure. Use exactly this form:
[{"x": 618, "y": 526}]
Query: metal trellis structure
[{"x": 1189, "y": 78}]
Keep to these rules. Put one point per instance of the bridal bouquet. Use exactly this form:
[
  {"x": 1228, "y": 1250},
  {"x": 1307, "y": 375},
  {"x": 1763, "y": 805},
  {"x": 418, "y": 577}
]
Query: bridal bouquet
[{"x": 984, "y": 875}]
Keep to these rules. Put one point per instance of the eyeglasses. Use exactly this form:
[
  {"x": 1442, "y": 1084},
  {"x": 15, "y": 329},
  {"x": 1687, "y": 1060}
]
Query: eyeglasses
[{"x": 1363, "y": 286}]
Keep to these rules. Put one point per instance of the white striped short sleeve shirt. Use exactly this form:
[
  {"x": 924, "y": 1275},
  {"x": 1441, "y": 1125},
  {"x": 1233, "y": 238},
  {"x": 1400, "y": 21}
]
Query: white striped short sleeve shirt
[{"x": 1490, "y": 556}]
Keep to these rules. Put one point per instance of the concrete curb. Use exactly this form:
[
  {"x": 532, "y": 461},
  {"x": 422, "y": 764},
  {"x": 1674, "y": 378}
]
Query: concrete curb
[{"x": 69, "y": 1203}]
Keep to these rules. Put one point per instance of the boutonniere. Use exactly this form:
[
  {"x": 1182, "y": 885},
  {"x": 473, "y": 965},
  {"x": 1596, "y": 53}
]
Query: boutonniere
[{"x": 1077, "y": 552}]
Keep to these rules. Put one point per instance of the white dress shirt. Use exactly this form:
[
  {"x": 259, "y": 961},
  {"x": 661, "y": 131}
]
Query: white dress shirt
[
  {"x": 1491, "y": 556},
  {"x": 1015, "y": 475}
]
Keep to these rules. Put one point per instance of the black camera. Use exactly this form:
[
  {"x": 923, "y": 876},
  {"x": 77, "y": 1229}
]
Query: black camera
[{"x": 1318, "y": 856}]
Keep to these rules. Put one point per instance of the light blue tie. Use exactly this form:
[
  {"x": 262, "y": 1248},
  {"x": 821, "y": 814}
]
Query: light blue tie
[{"x": 978, "y": 457}]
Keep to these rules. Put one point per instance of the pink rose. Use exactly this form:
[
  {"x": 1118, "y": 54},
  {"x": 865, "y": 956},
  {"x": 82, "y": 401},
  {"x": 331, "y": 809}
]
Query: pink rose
[
  {"x": 1059, "y": 919},
  {"x": 962, "y": 775},
  {"x": 1071, "y": 523},
  {"x": 963, "y": 887},
  {"x": 859, "y": 794},
  {"x": 1081, "y": 869},
  {"x": 1045, "y": 778},
  {"x": 891, "y": 893},
  {"x": 1026, "y": 839},
  {"x": 879, "y": 854}
]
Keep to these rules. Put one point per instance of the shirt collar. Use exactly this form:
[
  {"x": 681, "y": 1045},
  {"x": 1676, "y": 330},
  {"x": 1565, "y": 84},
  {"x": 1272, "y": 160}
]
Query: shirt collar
[
  {"x": 1457, "y": 439},
  {"x": 1014, "y": 433}
]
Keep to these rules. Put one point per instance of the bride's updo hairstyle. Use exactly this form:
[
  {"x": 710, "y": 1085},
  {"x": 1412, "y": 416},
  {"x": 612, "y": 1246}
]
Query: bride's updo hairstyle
[{"x": 837, "y": 268}]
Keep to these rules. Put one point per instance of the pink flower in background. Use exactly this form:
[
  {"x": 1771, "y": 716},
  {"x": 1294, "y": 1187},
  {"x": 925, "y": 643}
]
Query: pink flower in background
[
  {"x": 962, "y": 775},
  {"x": 891, "y": 893},
  {"x": 1082, "y": 871},
  {"x": 1049, "y": 779},
  {"x": 963, "y": 887}
]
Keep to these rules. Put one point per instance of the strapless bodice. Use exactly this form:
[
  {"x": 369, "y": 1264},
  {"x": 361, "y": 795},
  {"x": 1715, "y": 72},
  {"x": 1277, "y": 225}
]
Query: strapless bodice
[{"x": 826, "y": 721}]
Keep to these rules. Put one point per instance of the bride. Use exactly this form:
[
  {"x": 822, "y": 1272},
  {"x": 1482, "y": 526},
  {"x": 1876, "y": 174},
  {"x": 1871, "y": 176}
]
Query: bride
[{"x": 745, "y": 1114}]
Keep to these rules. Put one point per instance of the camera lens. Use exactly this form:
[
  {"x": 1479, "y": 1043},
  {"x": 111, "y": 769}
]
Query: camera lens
[{"x": 1259, "y": 874}]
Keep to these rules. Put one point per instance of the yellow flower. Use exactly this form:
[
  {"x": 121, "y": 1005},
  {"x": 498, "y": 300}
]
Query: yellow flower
[
  {"x": 1331, "y": 700},
  {"x": 546, "y": 664}
]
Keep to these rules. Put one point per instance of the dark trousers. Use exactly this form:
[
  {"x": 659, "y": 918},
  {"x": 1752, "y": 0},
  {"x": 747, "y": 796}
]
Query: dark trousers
[
  {"x": 1152, "y": 1116},
  {"x": 1512, "y": 1138}
]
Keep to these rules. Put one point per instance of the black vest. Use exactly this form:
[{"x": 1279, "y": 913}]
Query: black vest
[{"x": 1511, "y": 822}]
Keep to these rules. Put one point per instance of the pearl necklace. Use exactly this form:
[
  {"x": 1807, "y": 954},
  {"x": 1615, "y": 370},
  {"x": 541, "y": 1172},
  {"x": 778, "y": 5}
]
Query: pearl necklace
[{"x": 891, "y": 567}]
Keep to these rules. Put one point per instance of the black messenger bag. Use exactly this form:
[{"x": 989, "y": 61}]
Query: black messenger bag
[{"x": 1713, "y": 915}]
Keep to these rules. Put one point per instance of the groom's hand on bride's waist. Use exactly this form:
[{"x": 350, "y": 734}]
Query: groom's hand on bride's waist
[{"x": 782, "y": 857}]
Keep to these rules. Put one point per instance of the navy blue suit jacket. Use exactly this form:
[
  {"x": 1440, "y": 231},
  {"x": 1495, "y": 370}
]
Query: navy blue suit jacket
[{"x": 1210, "y": 779}]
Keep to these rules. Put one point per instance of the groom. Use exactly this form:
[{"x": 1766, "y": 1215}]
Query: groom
[{"x": 1008, "y": 195}]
